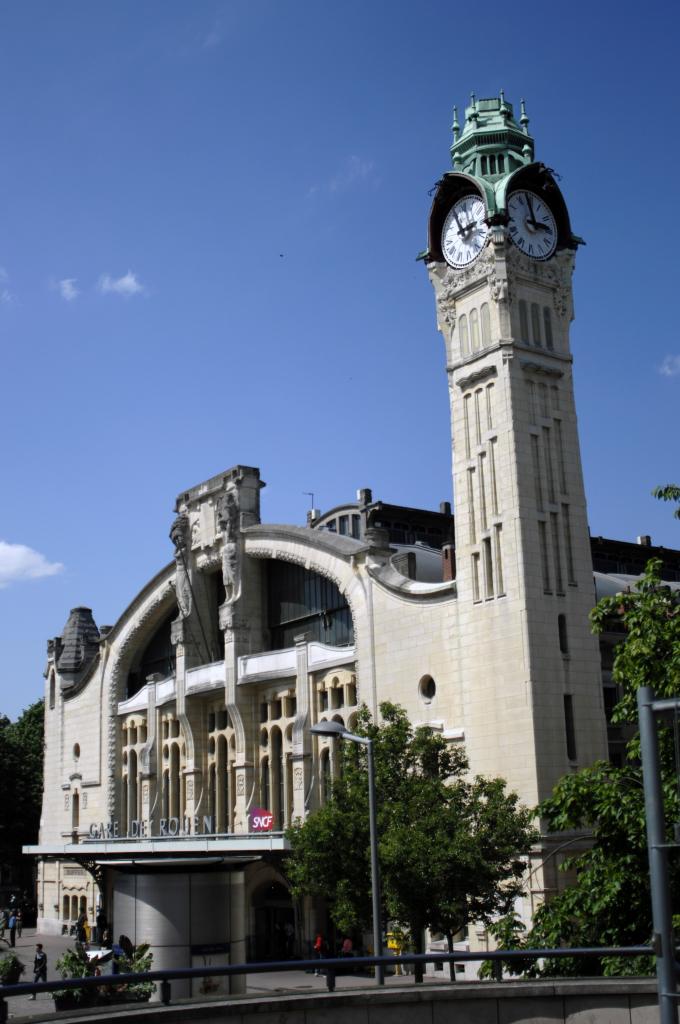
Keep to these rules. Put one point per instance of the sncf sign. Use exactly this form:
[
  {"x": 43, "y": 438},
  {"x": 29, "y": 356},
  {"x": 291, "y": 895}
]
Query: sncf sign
[{"x": 261, "y": 820}]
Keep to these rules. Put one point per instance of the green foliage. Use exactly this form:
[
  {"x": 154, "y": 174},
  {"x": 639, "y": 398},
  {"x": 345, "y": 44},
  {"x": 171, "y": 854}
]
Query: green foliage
[
  {"x": 21, "y": 756},
  {"x": 139, "y": 963},
  {"x": 669, "y": 492},
  {"x": 609, "y": 903},
  {"x": 11, "y": 969},
  {"x": 449, "y": 846},
  {"x": 74, "y": 963}
]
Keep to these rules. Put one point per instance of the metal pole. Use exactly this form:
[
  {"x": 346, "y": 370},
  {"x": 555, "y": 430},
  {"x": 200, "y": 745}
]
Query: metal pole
[
  {"x": 375, "y": 866},
  {"x": 658, "y": 859}
]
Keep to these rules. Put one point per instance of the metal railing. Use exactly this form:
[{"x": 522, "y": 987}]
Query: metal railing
[{"x": 330, "y": 967}]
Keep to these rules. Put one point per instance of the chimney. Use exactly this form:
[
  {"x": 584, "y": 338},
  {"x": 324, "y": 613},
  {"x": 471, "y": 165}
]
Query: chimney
[
  {"x": 645, "y": 540},
  {"x": 448, "y": 562},
  {"x": 365, "y": 496}
]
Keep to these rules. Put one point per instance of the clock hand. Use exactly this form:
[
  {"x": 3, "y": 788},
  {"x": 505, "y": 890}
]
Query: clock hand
[
  {"x": 461, "y": 229},
  {"x": 531, "y": 210}
]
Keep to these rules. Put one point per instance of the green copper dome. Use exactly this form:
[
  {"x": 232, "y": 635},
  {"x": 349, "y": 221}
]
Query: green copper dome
[{"x": 492, "y": 143}]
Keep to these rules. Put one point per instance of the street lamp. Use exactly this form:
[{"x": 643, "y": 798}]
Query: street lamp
[{"x": 339, "y": 731}]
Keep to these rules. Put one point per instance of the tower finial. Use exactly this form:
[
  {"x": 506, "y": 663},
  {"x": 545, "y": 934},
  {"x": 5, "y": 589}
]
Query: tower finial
[
  {"x": 504, "y": 109},
  {"x": 524, "y": 120},
  {"x": 455, "y": 127}
]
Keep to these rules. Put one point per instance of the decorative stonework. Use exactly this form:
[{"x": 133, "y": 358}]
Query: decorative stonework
[
  {"x": 540, "y": 368},
  {"x": 476, "y": 377},
  {"x": 240, "y": 785},
  {"x": 190, "y": 789},
  {"x": 151, "y": 611},
  {"x": 228, "y": 517},
  {"x": 179, "y": 535},
  {"x": 298, "y": 776},
  {"x": 555, "y": 273}
]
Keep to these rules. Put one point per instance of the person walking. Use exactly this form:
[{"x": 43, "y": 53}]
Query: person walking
[
  {"x": 3, "y": 923},
  {"x": 319, "y": 949},
  {"x": 20, "y": 922},
  {"x": 39, "y": 966},
  {"x": 12, "y": 925}
]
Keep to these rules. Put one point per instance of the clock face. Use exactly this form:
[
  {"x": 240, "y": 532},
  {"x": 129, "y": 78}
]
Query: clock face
[
  {"x": 532, "y": 226},
  {"x": 464, "y": 233}
]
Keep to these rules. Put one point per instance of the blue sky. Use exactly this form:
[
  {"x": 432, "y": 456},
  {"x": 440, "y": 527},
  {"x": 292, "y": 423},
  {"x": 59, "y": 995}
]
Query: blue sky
[{"x": 209, "y": 214}]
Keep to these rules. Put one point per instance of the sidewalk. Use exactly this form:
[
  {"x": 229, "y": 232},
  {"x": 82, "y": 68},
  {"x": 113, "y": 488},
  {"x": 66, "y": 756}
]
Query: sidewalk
[
  {"x": 269, "y": 983},
  {"x": 54, "y": 946}
]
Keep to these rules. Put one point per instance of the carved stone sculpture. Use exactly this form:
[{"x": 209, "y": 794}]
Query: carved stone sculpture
[{"x": 228, "y": 518}]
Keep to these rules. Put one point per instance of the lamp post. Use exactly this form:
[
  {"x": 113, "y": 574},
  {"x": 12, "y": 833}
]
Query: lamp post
[{"x": 340, "y": 732}]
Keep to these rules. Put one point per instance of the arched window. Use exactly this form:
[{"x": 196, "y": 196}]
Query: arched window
[
  {"x": 277, "y": 806},
  {"x": 75, "y": 811},
  {"x": 562, "y": 632},
  {"x": 486, "y": 325},
  {"x": 547, "y": 328},
  {"x": 222, "y": 787},
  {"x": 474, "y": 330},
  {"x": 536, "y": 325},
  {"x": 464, "y": 338},
  {"x": 325, "y": 775},
  {"x": 492, "y": 164},
  {"x": 264, "y": 782},
  {"x": 132, "y": 788},
  {"x": 523, "y": 320},
  {"x": 501, "y": 164},
  {"x": 484, "y": 165},
  {"x": 52, "y": 690}
]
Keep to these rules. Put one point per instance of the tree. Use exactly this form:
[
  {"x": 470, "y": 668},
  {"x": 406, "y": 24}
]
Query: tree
[
  {"x": 669, "y": 492},
  {"x": 450, "y": 847},
  {"x": 21, "y": 783},
  {"x": 609, "y": 902}
]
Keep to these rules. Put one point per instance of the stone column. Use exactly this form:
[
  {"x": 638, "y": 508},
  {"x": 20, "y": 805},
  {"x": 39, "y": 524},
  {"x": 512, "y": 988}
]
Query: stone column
[
  {"x": 238, "y": 927},
  {"x": 302, "y": 740}
]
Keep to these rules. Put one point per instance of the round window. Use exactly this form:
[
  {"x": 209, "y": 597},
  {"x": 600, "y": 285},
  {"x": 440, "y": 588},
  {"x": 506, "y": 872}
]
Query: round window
[{"x": 427, "y": 688}]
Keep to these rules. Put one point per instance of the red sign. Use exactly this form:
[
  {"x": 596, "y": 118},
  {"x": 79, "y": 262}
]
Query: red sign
[{"x": 261, "y": 820}]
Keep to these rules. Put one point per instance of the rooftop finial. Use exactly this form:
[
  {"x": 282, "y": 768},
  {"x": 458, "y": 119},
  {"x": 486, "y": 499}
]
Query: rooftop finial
[
  {"x": 505, "y": 111},
  {"x": 474, "y": 114},
  {"x": 524, "y": 120},
  {"x": 455, "y": 127}
]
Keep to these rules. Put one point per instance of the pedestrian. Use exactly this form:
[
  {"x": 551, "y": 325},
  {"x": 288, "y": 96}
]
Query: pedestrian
[
  {"x": 347, "y": 947},
  {"x": 12, "y": 925},
  {"x": 319, "y": 949},
  {"x": 20, "y": 922},
  {"x": 101, "y": 925},
  {"x": 3, "y": 923},
  {"x": 39, "y": 966}
]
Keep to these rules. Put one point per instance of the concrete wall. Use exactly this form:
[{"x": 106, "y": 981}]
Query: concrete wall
[{"x": 610, "y": 1001}]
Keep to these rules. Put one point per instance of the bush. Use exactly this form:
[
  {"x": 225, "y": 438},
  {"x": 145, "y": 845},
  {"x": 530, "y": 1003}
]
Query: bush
[
  {"x": 11, "y": 969},
  {"x": 75, "y": 964}
]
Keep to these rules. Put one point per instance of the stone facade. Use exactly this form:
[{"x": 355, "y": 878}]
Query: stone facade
[{"x": 168, "y": 731}]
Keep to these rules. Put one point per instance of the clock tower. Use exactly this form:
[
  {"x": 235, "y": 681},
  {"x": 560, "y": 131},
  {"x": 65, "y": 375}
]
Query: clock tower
[{"x": 500, "y": 257}]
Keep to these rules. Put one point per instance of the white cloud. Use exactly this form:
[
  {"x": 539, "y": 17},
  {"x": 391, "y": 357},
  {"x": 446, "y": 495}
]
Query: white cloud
[
  {"x": 68, "y": 290},
  {"x": 5, "y": 294},
  {"x": 126, "y": 285},
  {"x": 354, "y": 170},
  {"x": 212, "y": 38},
  {"x": 670, "y": 367},
  {"x": 19, "y": 562}
]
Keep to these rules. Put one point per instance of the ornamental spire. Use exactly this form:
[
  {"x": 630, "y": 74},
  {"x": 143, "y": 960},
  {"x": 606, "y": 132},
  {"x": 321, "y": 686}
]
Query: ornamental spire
[{"x": 492, "y": 143}]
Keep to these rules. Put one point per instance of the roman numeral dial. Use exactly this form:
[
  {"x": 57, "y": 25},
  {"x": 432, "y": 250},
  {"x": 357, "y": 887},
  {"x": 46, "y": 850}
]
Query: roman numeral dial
[
  {"x": 531, "y": 225},
  {"x": 465, "y": 232}
]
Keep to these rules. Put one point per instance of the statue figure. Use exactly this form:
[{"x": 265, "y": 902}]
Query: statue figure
[
  {"x": 179, "y": 532},
  {"x": 228, "y": 517}
]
